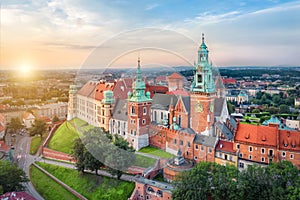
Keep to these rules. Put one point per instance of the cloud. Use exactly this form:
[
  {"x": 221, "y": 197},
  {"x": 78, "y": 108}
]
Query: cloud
[{"x": 151, "y": 6}]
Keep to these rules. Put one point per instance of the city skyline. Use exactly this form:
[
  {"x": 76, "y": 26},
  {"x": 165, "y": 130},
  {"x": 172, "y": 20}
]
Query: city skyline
[{"x": 62, "y": 34}]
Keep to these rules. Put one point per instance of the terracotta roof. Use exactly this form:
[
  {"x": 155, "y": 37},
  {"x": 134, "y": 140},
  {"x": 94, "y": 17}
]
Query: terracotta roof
[
  {"x": 1, "y": 128},
  {"x": 3, "y": 146},
  {"x": 45, "y": 119},
  {"x": 88, "y": 88},
  {"x": 175, "y": 75},
  {"x": 153, "y": 89},
  {"x": 229, "y": 80},
  {"x": 260, "y": 135},
  {"x": 122, "y": 87},
  {"x": 16, "y": 196},
  {"x": 179, "y": 92},
  {"x": 98, "y": 92},
  {"x": 289, "y": 140},
  {"x": 225, "y": 146}
]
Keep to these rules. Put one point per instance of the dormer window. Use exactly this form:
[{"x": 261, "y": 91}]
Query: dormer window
[{"x": 285, "y": 143}]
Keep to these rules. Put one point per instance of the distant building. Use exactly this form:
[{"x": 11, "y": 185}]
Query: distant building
[
  {"x": 28, "y": 119},
  {"x": 297, "y": 102},
  {"x": 17, "y": 196}
]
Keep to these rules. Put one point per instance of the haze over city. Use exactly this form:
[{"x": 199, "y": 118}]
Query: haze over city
[{"x": 62, "y": 34}]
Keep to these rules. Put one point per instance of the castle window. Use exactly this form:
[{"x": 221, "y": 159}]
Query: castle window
[
  {"x": 188, "y": 144},
  {"x": 144, "y": 121},
  {"x": 144, "y": 110},
  {"x": 283, "y": 154},
  {"x": 202, "y": 148},
  {"x": 262, "y": 150},
  {"x": 241, "y": 165},
  {"x": 238, "y": 146},
  {"x": 199, "y": 78},
  {"x": 161, "y": 115},
  {"x": 292, "y": 156},
  {"x": 250, "y": 157},
  {"x": 181, "y": 142},
  {"x": 262, "y": 159},
  {"x": 241, "y": 155},
  {"x": 195, "y": 158},
  {"x": 209, "y": 150},
  {"x": 230, "y": 158},
  {"x": 132, "y": 110},
  {"x": 250, "y": 149},
  {"x": 175, "y": 141},
  {"x": 196, "y": 147}
]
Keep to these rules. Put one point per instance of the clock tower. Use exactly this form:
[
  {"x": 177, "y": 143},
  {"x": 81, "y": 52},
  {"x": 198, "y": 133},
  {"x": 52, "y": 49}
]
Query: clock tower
[{"x": 203, "y": 93}]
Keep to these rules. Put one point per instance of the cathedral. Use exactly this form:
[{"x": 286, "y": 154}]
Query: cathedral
[{"x": 172, "y": 119}]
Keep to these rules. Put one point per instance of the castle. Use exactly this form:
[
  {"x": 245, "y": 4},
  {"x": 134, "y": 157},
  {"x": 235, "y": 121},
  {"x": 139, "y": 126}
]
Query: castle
[{"x": 194, "y": 122}]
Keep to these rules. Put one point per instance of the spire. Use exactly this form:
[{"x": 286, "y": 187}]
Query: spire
[
  {"x": 202, "y": 37},
  {"x": 138, "y": 71}
]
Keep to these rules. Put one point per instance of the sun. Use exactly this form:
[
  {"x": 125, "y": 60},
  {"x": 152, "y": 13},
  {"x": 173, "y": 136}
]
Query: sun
[{"x": 25, "y": 68}]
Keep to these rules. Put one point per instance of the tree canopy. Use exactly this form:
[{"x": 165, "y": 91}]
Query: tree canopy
[
  {"x": 11, "y": 177},
  {"x": 38, "y": 128},
  {"x": 210, "y": 180},
  {"x": 97, "y": 148}
]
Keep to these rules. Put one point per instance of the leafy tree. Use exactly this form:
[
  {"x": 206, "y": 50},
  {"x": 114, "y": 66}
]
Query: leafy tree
[
  {"x": 11, "y": 177},
  {"x": 255, "y": 110},
  {"x": 230, "y": 107},
  {"x": 78, "y": 153},
  {"x": 206, "y": 180},
  {"x": 55, "y": 119},
  {"x": 15, "y": 124},
  {"x": 38, "y": 128},
  {"x": 284, "y": 108}
]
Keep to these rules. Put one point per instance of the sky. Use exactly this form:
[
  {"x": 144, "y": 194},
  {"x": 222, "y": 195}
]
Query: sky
[{"x": 58, "y": 34}]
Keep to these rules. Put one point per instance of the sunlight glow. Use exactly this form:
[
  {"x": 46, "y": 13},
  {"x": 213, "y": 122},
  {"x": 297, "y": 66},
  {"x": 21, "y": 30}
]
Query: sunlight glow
[{"x": 25, "y": 68}]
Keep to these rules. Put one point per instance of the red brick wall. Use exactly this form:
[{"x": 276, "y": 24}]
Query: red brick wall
[
  {"x": 199, "y": 119},
  {"x": 52, "y": 154},
  {"x": 203, "y": 153},
  {"x": 256, "y": 152}
]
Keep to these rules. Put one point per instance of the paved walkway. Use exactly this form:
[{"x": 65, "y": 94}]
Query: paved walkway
[{"x": 148, "y": 155}]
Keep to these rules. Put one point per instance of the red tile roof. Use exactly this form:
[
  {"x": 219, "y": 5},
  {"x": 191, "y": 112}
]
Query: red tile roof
[
  {"x": 3, "y": 146},
  {"x": 1, "y": 128},
  {"x": 289, "y": 140},
  {"x": 156, "y": 89},
  {"x": 98, "y": 93},
  {"x": 257, "y": 135},
  {"x": 175, "y": 75},
  {"x": 87, "y": 89},
  {"x": 225, "y": 146},
  {"x": 229, "y": 80}
]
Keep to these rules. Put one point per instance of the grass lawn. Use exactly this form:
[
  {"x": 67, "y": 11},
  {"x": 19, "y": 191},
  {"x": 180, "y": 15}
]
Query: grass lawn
[
  {"x": 143, "y": 161},
  {"x": 47, "y": 187},
  {"x": 156, "y": 152},
  {"x": 91, "y": 186},
  {"x": 35, "y": 144},
  {"x": 63, "y": 139}
]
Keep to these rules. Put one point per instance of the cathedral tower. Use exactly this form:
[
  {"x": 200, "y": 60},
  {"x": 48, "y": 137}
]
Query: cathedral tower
[
  {"x": 139, "y": 104},
  {"x": 203, "y": 93}
]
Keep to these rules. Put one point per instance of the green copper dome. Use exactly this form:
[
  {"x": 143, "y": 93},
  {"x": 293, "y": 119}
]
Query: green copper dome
[{"x": 138, "y": 88}]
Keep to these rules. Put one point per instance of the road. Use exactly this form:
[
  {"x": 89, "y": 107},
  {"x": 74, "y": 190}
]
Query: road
[{"x": 24, "y": 160}]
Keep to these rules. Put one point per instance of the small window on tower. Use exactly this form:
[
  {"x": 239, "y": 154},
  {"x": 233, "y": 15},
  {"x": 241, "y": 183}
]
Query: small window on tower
[
  {"x": 132, "y": 110},
  {"x": 144, "y": 111},
  {"x": 199, "y": 78}
]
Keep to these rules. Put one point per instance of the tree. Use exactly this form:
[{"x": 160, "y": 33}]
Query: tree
[
  {"x": 206, "y": 180},
  {"x": 11, "y": 177},
  {"x": 55, "y": 119},
  {"x": 230, "y": 107},
  {"x": 255, "y": 110},
  {"x": 284, "y": 108},
  {"x": 38, "y": 128},
  {"x": 14, "y": 124},
  {"x": 98, "y": 147}
]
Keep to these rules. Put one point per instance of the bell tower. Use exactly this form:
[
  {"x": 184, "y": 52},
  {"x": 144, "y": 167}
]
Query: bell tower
[
  {"x": 139, "y": 104},
  {"x": 203, "y": 93}
]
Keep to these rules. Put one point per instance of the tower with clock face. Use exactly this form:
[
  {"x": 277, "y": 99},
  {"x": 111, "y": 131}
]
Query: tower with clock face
[{"x": 202, "y": 93}]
